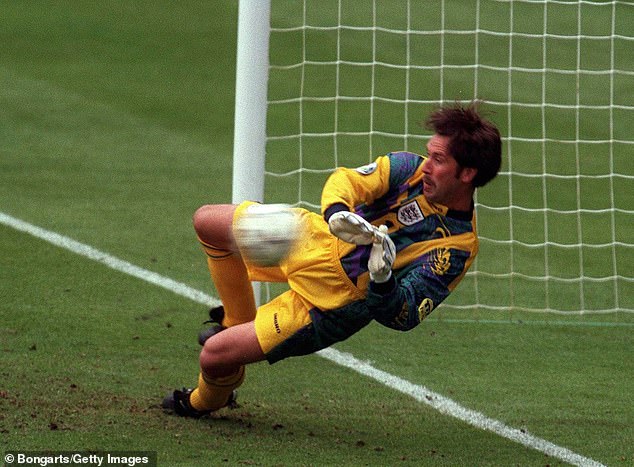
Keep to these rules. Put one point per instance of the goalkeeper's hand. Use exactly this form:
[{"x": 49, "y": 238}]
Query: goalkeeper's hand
[
  {"x": 382, "y": 256},
  {"x": 352, "y": 228}
]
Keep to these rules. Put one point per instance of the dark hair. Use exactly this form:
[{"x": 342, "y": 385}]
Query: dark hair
[{"x": 474, "y": 141}]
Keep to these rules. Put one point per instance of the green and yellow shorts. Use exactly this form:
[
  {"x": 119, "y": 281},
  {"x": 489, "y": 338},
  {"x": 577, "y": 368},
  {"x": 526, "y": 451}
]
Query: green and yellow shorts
[{"x": 323, "y": 306}]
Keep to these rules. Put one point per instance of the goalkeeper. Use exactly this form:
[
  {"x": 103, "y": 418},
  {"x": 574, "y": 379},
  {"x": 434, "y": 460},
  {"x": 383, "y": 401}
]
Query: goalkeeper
[{"x": 394, "y": 238}]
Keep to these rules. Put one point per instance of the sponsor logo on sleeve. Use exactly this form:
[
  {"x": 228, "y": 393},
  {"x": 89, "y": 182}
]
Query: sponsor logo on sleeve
[
  {"x": 367, "y": 169},
  {"x": 425, "y": 308}
]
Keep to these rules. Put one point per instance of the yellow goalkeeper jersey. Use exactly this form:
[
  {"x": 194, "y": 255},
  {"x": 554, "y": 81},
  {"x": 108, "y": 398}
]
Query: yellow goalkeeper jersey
[{"x": 435, "y": 246}]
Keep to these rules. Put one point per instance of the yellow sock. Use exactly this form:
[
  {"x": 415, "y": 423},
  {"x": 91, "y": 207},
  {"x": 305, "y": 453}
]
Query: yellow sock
[
  {"x": 214, "y": 393},
  {"x": 230, "y": 277}
]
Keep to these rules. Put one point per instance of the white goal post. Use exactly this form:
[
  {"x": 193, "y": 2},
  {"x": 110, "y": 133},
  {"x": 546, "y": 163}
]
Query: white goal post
[
  {"x": 329, "y": 83},
  {"x": 252, "y": 71}
]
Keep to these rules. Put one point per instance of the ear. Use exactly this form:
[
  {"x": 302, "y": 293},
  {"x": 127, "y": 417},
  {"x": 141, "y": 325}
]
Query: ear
[{"x": 467, "y": 174}]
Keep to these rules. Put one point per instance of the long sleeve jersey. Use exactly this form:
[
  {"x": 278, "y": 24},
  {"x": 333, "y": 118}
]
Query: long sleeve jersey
[{"x": 435, "y": 246}]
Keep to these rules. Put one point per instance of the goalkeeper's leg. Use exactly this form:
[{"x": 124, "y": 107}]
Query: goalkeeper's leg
[
  {"x": 213, "y": 225},
  {"x": 222, "y": 362}
]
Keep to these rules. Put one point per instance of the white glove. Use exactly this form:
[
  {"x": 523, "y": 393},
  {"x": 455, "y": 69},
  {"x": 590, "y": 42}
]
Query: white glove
[
  {"x": 351, "y": 228},
  {"x": 382, "y": 256}
]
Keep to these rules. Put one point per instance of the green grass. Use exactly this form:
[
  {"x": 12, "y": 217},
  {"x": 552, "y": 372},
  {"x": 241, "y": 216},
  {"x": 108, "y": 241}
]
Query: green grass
[
  {"x": 88, "y": 352},
  {"x": 116, "y": 123}
]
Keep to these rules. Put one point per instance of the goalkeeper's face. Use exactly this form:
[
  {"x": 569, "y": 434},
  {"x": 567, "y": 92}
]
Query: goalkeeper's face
[{"x": 444, "y": 181}]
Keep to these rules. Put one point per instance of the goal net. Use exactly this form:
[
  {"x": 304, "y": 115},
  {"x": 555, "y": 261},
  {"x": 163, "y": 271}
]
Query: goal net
[{"x": 352, "y": 79}]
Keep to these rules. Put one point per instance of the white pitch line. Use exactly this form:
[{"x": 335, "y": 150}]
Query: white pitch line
[
  {"x": 112, "y": 262},
  {"x": 451, "y": 408},
  {"x": 437, "y": 401}
]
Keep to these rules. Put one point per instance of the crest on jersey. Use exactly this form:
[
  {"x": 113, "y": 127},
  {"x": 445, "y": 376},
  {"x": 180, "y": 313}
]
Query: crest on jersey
[
  {"x": 367, "y": 169},
  {"x": 410, "y": 213}
]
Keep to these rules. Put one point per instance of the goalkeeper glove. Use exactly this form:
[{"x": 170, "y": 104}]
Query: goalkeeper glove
[
  {"x": 351, "y": 228},
  {"x": 382, "y": 256}
]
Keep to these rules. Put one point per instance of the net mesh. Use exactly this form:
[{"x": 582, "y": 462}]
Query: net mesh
[{"x": 352, "y": 79}]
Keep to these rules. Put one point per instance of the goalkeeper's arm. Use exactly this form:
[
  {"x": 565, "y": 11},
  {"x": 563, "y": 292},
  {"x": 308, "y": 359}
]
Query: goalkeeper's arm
[
  {"x": 382, "y": 256},
  {"x": 388, "y": 302},
  {"x": 347, "y": 188}
]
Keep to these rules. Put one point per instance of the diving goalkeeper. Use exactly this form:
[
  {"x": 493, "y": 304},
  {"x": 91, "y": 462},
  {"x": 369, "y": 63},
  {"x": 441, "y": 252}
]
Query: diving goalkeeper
[{"x": 394, "y": 238}]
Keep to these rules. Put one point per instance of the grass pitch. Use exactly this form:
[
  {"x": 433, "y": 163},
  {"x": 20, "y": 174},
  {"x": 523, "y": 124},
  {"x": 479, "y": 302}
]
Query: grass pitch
[{"x": 115, "y": 124}]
